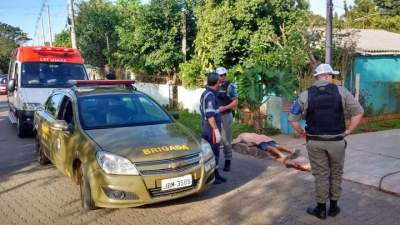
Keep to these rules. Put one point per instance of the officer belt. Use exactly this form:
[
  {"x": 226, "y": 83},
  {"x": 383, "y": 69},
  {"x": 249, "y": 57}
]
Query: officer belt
[
  {"x": 319, "y": 138},
  {"x": 226, "y": 112}
]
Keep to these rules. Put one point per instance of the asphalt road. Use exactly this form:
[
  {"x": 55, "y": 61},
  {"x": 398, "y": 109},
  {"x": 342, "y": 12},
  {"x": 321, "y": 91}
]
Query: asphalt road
[{"x": 258, "y": 191}]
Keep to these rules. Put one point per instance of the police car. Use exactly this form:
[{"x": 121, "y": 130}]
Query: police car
[{"x": 120, "y": 146}]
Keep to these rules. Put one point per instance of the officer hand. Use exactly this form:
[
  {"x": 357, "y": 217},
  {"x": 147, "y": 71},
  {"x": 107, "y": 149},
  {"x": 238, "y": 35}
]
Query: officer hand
[
  {"x": 216, "y": 136},
  {"x": 221, "y": 109},
  {"x": 302, "y": 134},
  {"x": 347, "y": 133}
]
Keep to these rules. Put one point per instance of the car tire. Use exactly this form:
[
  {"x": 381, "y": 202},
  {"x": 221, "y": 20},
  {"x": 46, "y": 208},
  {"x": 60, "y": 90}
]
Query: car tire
[
  {"x": 85, "y": 191},
  {"x": 42, "y": 158},
  {"x": 22, "y": 132}
]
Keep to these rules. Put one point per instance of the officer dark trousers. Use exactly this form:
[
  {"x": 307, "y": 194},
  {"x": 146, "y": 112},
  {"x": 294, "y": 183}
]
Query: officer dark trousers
[{"x": 215, "y": 149}]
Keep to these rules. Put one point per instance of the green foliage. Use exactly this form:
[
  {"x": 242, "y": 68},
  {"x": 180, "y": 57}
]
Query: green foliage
[
  {"x": 95, "y": 27},
  {"x": 375, "y": 14},
  {"x": 258, "y": 81},
  {"x": 8, "y": 42},
  {"x": 193, "y": 122},
  {"x": 152, "y": 35},
  {"x": 192, "y": 74},
  {"x": 63, "y": 39},
  {"x": 378, "y": 126}
]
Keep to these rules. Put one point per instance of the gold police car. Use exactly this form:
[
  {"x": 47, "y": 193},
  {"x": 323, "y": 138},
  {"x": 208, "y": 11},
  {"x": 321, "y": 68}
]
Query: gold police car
[{"x": 120, "y": 146}]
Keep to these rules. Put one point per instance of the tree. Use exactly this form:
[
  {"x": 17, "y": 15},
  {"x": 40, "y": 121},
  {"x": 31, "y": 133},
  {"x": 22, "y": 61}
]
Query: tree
[
  {"x": 97, "y": 37},
  {"x": 8, "y": 42},
  {"x": 63, "y": 39},
  {"x": 389, "y": 6},
  {"x": 374, "y": 14},
  {"x": 152, "y": 34}
]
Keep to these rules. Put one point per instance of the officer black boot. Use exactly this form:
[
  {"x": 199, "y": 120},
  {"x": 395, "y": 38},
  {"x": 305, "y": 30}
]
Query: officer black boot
[
  {"x": 218, "y": 178},
  {"x": 227, "y": 166},
  {"x": 334, "y": 210},
  {"x": 319, "y": 211}
]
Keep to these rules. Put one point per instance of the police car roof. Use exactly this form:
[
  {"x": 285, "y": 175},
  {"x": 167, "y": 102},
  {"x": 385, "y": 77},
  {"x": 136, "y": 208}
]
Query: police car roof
[{"x": 92, "y": 87}]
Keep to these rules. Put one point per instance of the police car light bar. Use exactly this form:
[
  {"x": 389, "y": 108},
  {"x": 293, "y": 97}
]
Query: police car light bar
[{"x": 80, "y": 83}]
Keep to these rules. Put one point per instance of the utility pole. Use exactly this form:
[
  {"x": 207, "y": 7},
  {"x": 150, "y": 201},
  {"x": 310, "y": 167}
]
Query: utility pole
[
  {"x": 328, "y": 33},
  {"x": 51, "y": 35},
  {"x": 72, "y": 23},
  {"x": 44, "y": 37}
]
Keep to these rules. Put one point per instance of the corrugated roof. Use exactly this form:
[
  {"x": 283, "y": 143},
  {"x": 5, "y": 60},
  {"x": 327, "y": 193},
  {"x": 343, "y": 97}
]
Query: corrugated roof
[{"x": 376, "y": 42}]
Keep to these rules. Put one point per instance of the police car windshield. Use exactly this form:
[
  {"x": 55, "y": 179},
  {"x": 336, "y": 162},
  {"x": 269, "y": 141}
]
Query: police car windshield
[
  {"x": 119, "y": 110},
  {"x": 49, "y": 74}
]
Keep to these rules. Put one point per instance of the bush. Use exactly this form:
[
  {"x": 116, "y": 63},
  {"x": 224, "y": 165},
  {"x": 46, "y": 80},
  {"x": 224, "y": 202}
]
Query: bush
[{"x": 192, "y": 74}]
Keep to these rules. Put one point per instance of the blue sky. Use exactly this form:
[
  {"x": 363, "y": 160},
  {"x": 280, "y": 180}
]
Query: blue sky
[{"x": 24, "y": 14}]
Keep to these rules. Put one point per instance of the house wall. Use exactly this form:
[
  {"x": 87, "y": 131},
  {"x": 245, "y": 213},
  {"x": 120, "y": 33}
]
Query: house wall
[{"x": 379, "y": 83}]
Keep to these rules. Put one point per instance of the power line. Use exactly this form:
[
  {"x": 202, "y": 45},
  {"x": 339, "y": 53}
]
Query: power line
[{"x": 38, "y": 20}]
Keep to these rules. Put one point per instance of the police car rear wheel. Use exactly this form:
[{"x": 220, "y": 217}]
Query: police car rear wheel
[
  {"x": 42, "y": 159},
  {"x": 86, "y": 193}
]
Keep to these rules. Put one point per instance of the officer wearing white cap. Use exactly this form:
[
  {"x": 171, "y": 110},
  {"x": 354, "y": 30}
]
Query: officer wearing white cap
[
  {"x": 228, "y": 99},
  {"x": 211, "y": 120},
  {"x": 323, "y": 106}
]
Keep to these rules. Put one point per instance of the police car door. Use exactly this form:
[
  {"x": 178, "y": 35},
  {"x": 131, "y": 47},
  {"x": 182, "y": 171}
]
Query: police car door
[
  {"x": 46, "y": 125},
  {"x": 65, "y": 139}
]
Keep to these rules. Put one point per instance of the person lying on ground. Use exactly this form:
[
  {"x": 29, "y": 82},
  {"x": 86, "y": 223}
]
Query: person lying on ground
[{"x": 265, "y": 143}]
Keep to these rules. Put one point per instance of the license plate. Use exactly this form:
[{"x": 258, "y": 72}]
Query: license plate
[{"x": 177, "y": 182}]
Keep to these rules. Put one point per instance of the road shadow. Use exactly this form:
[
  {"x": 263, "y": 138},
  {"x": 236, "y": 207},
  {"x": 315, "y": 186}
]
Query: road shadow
[{"x": 16, "y": 153}]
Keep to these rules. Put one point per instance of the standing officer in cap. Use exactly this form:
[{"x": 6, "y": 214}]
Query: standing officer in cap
[
  {"x": 323, "y": 106},
  {"x": 211, "y": 120},
  {"x": 228, "y": 99}
]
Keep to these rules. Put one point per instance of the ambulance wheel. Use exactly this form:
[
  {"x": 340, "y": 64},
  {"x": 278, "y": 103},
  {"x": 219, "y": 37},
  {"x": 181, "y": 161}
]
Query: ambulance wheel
[
  {"x": 86, "y": 193},
  {"x": 22, "y": 131}
]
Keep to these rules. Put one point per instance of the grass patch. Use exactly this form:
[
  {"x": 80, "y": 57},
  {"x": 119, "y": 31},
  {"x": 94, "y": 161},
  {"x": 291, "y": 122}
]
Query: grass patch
[
  {"x": 378, "y": 126},
  {"x": 193, "y": 122}
]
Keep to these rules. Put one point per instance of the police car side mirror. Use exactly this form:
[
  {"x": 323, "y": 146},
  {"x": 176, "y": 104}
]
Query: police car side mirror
[
  {"x": 175, "y": 115},
  {"x": 11, "y": 85},
  {"x": 59, "y": 125}
]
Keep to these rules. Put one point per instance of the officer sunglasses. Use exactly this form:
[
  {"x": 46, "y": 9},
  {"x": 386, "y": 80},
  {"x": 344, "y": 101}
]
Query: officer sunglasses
[{"x": 222, "y": 75}]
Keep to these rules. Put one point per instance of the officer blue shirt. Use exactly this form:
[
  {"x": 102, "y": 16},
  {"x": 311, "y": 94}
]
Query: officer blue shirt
[
  {"x": 209, "y": 108},
  {"x": 227, "y": 93}
]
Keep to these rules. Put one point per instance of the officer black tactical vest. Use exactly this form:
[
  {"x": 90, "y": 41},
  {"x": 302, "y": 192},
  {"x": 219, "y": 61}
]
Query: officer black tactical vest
[
  {"x": 223, "y": 98},
  {"x": 325, "y": 111}
]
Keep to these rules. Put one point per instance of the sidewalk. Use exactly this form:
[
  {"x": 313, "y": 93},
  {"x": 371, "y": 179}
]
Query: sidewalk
[{"x": 372, "y": 159}]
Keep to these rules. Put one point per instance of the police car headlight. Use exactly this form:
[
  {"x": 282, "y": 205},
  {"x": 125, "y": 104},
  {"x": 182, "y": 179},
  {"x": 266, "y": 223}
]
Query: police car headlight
[
  {"x": 206, "y": 151},
  {"x": 114, "y": 164},
  {"x": 32, "y": 106}
]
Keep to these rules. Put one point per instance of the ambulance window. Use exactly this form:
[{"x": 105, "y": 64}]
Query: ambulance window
[{"x": 53, "y": 103}]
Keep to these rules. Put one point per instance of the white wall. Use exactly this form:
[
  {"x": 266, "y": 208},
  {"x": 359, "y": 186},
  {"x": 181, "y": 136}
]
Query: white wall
[
  {"x": 159, "y": 92},
  {"x": 190, "y": 99}
]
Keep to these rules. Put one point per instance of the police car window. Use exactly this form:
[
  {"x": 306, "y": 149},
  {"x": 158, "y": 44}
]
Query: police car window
[
  {"x": 53, "y": 103},
  {"x": 66, "y": 111},
  {"x": 119, "y": 110}
]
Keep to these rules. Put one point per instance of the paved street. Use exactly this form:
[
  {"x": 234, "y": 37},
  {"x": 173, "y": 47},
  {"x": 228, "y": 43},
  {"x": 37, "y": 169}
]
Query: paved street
[{"x": 259, "y": 191}]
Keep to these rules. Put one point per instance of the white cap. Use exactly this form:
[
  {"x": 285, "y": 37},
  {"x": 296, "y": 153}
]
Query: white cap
[
  {"x": 325, "y": 69},
  {"x": 221, "y": 70}
]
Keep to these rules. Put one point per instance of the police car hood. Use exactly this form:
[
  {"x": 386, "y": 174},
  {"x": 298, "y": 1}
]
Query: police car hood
[{"x": 147, "y": 143}]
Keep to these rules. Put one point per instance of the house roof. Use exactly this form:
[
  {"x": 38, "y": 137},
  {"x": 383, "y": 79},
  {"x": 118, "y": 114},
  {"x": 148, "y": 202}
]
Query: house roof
[{"x": 376, "y": 42}]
